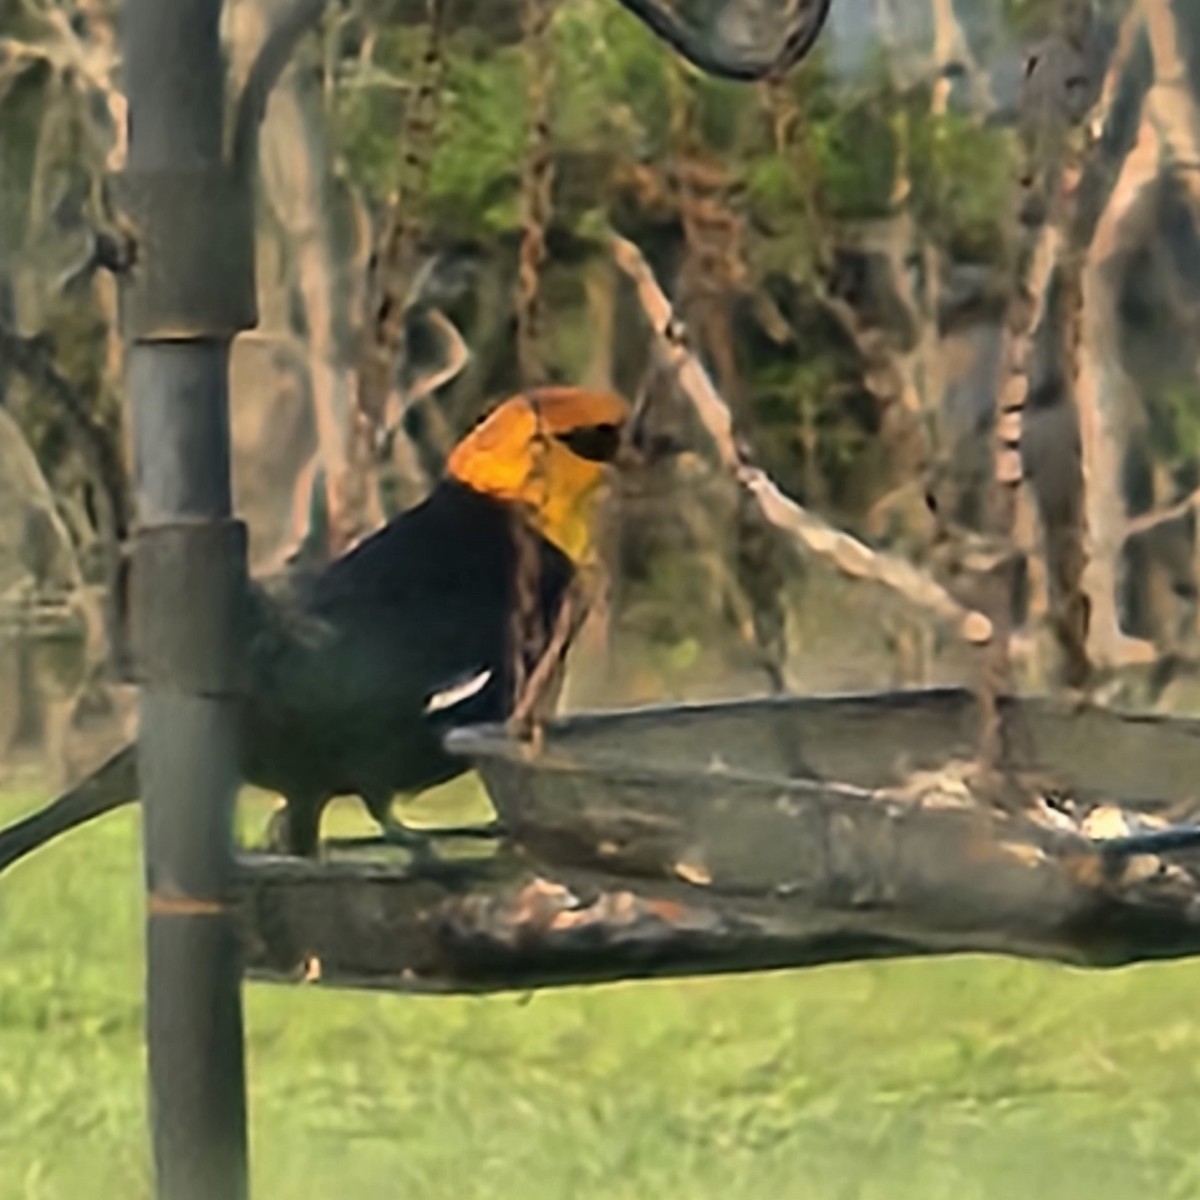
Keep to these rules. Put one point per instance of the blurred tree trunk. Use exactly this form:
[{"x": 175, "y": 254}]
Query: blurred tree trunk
[
  {"x": 1105, "y": 396},
  {"x": 294, "y": 157},
  {"x": 1172, "y": 102}
]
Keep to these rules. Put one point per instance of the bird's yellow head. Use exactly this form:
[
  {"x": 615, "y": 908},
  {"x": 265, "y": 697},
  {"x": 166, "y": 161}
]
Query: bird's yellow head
[{"x": 548, "y": 450}]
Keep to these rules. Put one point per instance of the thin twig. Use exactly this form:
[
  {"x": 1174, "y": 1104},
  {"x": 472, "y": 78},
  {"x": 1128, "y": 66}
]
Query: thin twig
[
  {"x": 289, "y": 26},
  {"x": 537, "y": 182},
  {"x": 1144, "y": 522},
  {"x": 537, "y": 692},
  {"x": 846, "y": 552}
]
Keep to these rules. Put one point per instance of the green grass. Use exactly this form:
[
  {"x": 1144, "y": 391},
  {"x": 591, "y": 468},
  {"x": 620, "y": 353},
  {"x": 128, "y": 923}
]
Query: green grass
[{"x": 955, "y": 1079}]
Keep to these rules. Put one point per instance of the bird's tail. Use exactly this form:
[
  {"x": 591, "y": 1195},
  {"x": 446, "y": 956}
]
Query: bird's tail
[{"x": 109, "y": 786}]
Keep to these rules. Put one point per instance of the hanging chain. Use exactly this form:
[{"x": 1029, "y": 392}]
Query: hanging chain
[
  {"x": 1045, "y": 303},
  {"x": 537, "y": 182},
  {"x": 528, "y": 632},
  {"x": 393, "y": 267},
  {"x": 529, "y": 635}
]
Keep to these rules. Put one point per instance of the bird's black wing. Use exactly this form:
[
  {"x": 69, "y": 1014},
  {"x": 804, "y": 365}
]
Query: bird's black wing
[
  {"x": 357, "y": 670},
  {"x": 354, "y": 682}
]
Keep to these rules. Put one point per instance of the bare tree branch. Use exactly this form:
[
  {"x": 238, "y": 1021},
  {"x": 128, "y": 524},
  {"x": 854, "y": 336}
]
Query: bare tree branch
[
  {"x": 1171, "y": 103},
  {"x": 847, "y": 553},
  {"x": 1146, "y": 521},
  {"x": 1102, "y": 388},
  {"x": 286, "y": 26},
  {"x": 539, "y": 695},
  {"x": 456, "y": 356}
]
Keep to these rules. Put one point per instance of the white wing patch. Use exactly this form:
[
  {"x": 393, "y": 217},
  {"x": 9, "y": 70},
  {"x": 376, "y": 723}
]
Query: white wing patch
[{"x": 457, "y": 693}]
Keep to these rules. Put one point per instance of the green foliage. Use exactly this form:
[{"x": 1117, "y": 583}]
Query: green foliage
[
  {"x": 781, "y": 204},
  {"x": 612, "y": 83},
  {"x": 1175, "y": 421},
  {"x": 772, "y": 185},
  {"x": 798, "y": 195},
  {"x": 1031, "y": 18},
  {"x": 369, "y": 111},
  {"x": 726, "y": 115},
  {"x": 805, "y": 435},
  {"x": 610, "y": 98},
  {"x": 616, "y": 94},
  {"x": 477, "y": 162},
  {"x": 475, "y": 169},
  {"x": 962, "y": 179},
  {"x": 855, "y": 154}
]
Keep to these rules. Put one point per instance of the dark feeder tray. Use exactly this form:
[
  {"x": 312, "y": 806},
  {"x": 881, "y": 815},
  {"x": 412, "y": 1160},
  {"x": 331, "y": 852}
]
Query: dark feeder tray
[{"x": 750, "y": 834}]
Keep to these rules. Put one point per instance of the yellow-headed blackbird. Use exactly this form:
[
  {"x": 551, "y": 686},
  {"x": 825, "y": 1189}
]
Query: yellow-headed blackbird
[{"x": 357, "y": 671}]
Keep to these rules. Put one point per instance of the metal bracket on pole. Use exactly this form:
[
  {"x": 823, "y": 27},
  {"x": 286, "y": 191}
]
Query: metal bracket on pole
[
  {"x": 198, "y": 569},
  {"x": 193, "y": 270}
]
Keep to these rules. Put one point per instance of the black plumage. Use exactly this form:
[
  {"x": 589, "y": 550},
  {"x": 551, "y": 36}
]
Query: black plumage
[
  {"x": 356, "y": 671},
  {"x": 347, "y": 674}
]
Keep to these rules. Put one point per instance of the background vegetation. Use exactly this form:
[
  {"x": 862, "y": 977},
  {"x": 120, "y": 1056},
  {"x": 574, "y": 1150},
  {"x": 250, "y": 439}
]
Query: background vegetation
[
  {"x": 987, "y": 1079},
  {"x": 844, "y": 247}
]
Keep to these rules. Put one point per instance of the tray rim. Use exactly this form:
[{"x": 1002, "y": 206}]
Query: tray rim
[{"x": 493, "y": 740}]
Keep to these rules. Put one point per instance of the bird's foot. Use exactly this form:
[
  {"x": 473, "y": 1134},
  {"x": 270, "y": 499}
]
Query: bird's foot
[
  {"x": 277, "y": 838},
  {"x": 283, "y": 836},
  {"x": 419, "y": 842},
  {"x": 485, "y": 831}
]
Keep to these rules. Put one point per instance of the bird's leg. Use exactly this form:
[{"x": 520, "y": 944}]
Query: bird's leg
[
  {"x": 539, "y": 695},
  {"x": 419, "y": 841},
  {"x": 295, "y": 827},
  {"x": 396, "y": 833}
]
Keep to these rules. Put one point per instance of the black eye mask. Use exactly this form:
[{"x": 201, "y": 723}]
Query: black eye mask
[{"x": 596, "y": 443}]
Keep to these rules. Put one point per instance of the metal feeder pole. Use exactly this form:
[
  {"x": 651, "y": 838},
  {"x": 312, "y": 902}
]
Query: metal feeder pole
[{"x": 188, "y": 293}]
